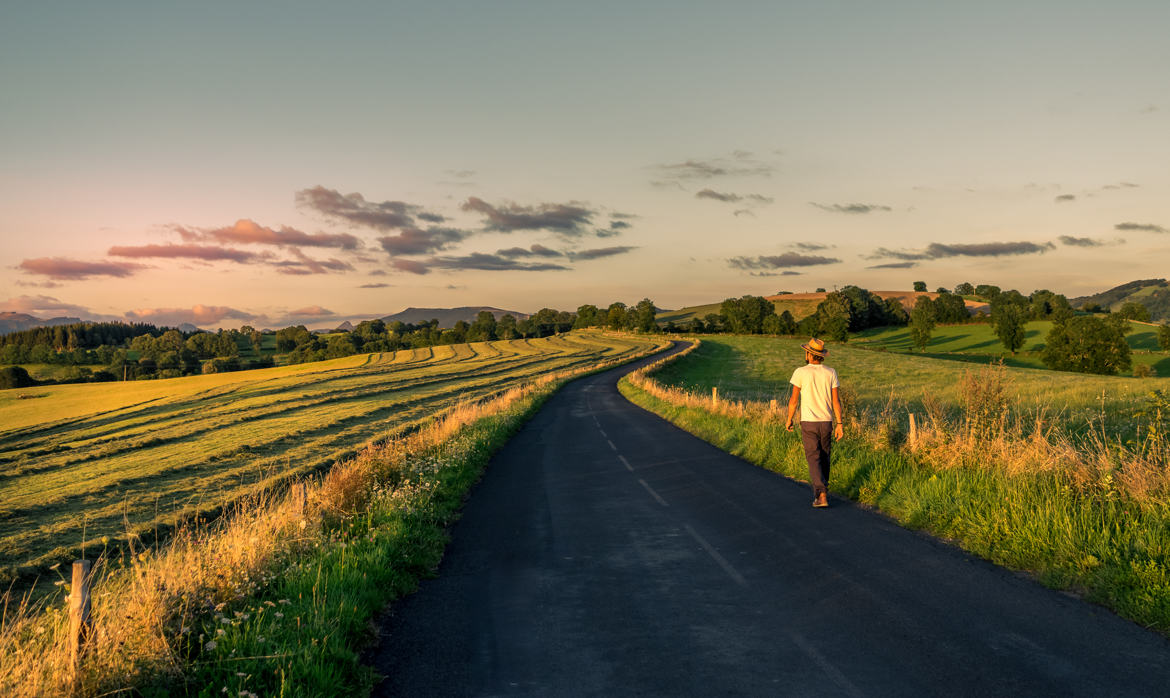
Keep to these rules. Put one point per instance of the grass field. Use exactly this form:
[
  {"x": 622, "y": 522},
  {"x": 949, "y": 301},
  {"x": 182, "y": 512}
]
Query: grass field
[
  {"x": 84, "y": 463},
  {"x": 976, "y": 342},
  {"x": 799, "y": 308},
  {"x": 758, "y": 368}
]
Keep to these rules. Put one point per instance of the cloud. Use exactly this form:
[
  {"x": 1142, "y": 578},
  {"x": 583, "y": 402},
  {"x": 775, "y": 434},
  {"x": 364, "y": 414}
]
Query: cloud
[
  {"x": 743, "y": 212},
  {"x": 410, "y": 266},
  {"x": 374, "y": 286},
  {"x": 417, "y": 241},
  {"x": 1065, "y": 197},
  {"x": 533, "y": 251},
  {"x": 1080, "y": 242},
  {"x": 353, "y": 208},
  {"x": 480, "y": 261},
  {"x": 600, "y": 252},
  {"x": 774, "y": 273},
  {"x": 313, "y": 311},
  {"x": 199, "y": 315},
  {"x": 780, "y": 261},
  {"x": 63, "y": 269},
  {"x": 936, "y": 250},
  {"x": 738, "y": 165},
  {"x": 718, "y": 196},
  {"x": 45, "y": 307},
  {"x": 810, "y": 246},
  {"x": 851, "y": 208},
  {"x": 895, "y": 265},
  {"x": 304, "y": 265},
  {"x": 569, "y": 219},
  {"x": 247, "y": 231},
  {"x": 1147, "y": 227},
  {"x": 172, "y": 251}
]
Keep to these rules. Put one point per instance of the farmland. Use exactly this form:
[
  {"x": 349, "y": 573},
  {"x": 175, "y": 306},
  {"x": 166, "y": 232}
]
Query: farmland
[
  {"x": 758, "y": 368},
  {"x": 977, "y": 342},
  {"x": 87, "y": 465}
]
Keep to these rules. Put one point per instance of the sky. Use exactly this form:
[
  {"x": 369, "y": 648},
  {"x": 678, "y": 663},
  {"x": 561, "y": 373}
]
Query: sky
[{"x": 275, "y": 163}]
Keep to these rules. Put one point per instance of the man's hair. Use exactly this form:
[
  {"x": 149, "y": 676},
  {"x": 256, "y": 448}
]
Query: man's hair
[{"x": 813, "y": 358}]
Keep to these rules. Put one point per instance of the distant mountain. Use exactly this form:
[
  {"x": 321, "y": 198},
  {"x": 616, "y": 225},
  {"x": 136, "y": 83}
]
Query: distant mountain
[
  {"x": 1152, "y": 293},
  {"x": 447, "y": 317},
  {"x": 346, "y": 326},
  {"x": 15, "y": 322},
  {"x": 188, "y": 327}
]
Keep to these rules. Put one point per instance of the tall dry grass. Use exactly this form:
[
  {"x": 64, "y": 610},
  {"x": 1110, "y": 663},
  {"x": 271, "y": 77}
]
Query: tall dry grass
[{"x": 145, "y": 604}]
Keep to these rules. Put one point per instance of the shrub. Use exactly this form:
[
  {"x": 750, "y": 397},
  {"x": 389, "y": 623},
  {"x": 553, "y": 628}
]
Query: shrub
[
  {"x": 1144, "y": 371},
  {"x": 15, "y": 377}
]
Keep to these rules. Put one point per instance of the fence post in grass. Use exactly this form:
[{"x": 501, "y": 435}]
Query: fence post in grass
[
  {"x": 772, "y": 406},
  {"x": 79, "y": 620},
  {"x": 913, "y": 431},
  {"x": 714, "y": 396},
  {"x": 298, "y": 497}
]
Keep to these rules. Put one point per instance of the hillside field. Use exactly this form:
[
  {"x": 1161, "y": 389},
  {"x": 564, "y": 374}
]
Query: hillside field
[
  {"x": 758, "y": 368},
  {"x": 80, "y": 463},
  {"x": 801, "y": 305},
  {"x": 977, "y": 342}
]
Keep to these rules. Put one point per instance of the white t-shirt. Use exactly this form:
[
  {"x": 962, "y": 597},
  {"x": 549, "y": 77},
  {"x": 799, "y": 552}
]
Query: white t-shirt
[{"x": 816, "y": 383}]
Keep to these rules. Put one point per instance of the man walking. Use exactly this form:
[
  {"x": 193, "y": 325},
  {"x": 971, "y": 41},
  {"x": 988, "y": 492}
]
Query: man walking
[{"x": 814, "y": 388}]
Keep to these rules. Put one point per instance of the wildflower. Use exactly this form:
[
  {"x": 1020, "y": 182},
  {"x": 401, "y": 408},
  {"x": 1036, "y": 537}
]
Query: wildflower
[
  {"x": 278, "y": 614},
  {"x": 210, "y": 645},
  {"x": 225, "y": 620},
  {"x": 219, "y": 632}
]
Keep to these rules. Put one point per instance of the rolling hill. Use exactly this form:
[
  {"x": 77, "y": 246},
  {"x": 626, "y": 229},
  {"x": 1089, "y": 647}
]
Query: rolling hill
[
  {"x": 447, "y": 317},
  {"x": 15, "y": 322},
  {"x": 1154, "y": 294},
  {"x": 802, "y": 305}
]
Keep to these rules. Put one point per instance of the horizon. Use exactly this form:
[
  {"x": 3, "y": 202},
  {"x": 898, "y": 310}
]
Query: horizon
[{"x": 290, "y": 164}]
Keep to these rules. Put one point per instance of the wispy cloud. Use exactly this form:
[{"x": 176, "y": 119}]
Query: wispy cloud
[
  {"x": 354, "y": 208},
  {"x": 1145, "y": 227},
  {"x": 1081, "y": 242},
  {"x": 937, "y": 250},
  {"x": 411, "y": 241},
  {"x": 894, "y": 265},
  {"x": 374, "y": 286},
  {"x": 780, "y": 261},
  {"x": 811, "y": 246},
  {"x": 476, "y": 261},
  {"x": 533, "y": 251},
  {"x": 247, "y": 231},
  {"x": 855, "y": 209},
  {"x": 63, "y": 269},
  {"x": 740, "y": 164},
  {"x": 47, "y": 307},
  {"x": 1065, "y": 197},
  {"x": 571, "y": 219},
  {"x": 304, "y": 265},
  {"x": 207, "y": 253},
  {"x": 729, "y": 197},
  {"x": 600, "y": 252}
]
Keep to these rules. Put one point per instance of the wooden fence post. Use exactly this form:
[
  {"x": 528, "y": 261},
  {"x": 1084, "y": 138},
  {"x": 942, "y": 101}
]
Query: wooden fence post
[
  {"x": 772, "y": 406},
  {"x": 714, "y": 396},
  {"x": 297, "y": 491},
  {"x": 913, "y": 432},
  {"x": 79, "y": 620}
]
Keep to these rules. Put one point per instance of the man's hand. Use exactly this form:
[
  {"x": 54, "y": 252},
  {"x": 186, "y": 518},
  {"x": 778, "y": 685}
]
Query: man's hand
[
  {"x": 839, "y": 431},
  {"x": 788, "y": 426}
]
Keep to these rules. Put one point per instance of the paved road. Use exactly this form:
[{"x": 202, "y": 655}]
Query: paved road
[{"x": 607, "y": 552}]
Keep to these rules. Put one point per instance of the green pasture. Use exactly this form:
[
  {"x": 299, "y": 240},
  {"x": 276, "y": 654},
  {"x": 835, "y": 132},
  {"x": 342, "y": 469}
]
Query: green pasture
[
  {"x": 758, "y": 368},
  {"x": 976, "y": 342},
  {"x": 80, "y": 464}
]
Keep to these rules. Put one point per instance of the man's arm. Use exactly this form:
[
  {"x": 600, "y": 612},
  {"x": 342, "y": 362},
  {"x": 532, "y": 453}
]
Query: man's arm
[
  {"x": 839, "y": 430},
  {"x": 793, "y": 402}
]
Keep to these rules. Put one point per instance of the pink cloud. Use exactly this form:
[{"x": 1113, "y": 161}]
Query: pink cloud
[
  {"x": 45, "y": 307},
  {"x": 409, "y": 265},
  {"x": 207, "y": 253},
  {"x": 247, "y": 231},
  {"x": 202, "y": 315},
  {"x": 64, "y": 269}
]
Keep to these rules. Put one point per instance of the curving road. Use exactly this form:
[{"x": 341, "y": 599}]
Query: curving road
[{"x": 607, "y": 552}]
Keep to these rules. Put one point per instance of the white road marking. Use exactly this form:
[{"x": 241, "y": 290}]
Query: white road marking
[
  {"x": 731, "y": 571},
  {"x": 626, "y": 463},
  {"x": 832, "y": 671},
  {"x": 603, "y": 434},
  {"x": 653, "y": 493},
  {"x": 611, "y": 444}
]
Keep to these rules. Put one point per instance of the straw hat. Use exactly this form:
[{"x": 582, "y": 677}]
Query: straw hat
[{"x": 816, "y": 347}]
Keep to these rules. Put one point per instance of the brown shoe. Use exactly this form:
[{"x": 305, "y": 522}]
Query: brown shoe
[{"x": 822, "y": 500}]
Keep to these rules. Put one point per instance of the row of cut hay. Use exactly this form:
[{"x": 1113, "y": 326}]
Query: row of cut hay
[
  {"x": 982, "y": 434},
  {"x": 143, "y": 611}
]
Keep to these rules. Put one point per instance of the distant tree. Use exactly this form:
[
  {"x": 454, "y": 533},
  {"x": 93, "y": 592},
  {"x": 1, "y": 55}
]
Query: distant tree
[
  {"x": 896, "y": 312},
  {"x": 484, "y": 327},
  {"x": 1164, "y": 337},
  {"x": 1087, "y": 345},
  {"x": 506, "y": 327},
  {"x": 987, "y": 292},
  {"x": 833, "y": 316},
  {"x": 787, "y": 323},
  {"x": 15, "y": 377},
  {"x": 1007, "y": 319},
  {"x": 587, "y": 316},
  {"x": 615, "y": 316},
  {"x": 950, "y": 308},
  {"x": 1092, "y": 308},
  {"x": 922, "y": 322},
  {"x": 644, "y": 314},
  {"x": 920, "y": 287},
  {"x": 527, "y": 328},
  {"x": 1132, "y": 310},
  {"x": 965, "y": 289},
  {"x": 292, "y": 337},
  {"x": 746, "y": 315},
  {"x": 713, "y": 322},
  {"x": 819, "y": 290}
]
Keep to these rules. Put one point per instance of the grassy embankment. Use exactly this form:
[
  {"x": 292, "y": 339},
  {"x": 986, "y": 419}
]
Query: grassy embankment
[
  {"x": 86, "y": 466},
  {"x": 977, "y": 343},
  {"x": 1091, "y": 515},
  {"x": 276, "y": 599}
]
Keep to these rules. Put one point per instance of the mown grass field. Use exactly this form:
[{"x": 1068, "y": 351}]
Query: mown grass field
[
  {"x": 758, "y": 368},
  {"x": 86, "y": 465},
  {"x": 976, "y": 342}
]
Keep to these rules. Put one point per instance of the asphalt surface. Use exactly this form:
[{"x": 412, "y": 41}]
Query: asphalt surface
[{"x": 607, "y": 552}]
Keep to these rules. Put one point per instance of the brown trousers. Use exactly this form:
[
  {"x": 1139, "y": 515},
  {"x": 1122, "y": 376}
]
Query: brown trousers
[{"x": 818, "y": 445}]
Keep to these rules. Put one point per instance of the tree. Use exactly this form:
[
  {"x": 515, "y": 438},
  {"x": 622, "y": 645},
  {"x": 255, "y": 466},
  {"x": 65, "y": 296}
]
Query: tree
[
  {"x": 1132, "y": 310},
  {"x": 1007, "y": 318},
  {"x": 922, "y": 322},
  {"x": 615, "y": 316},
  {"x": 950, "y": 308},
  {"x": 644, "y": 313},
  {"x": 15, "y": 377},
  {"x": 987, "y": 292},
  {"x": 484, "y": 327},
  {"x": 833, "y": 317},
  {"x": 920, "y": 287},
  {"x": 1087, "y": 345},
  {"x": 746, "y": 315},
  {"x": 1164, "y": 337},
  {"x": 587, "y": 316},
  {"x": 965, "y": 289},
  {"x": 506, "y": 327}
]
